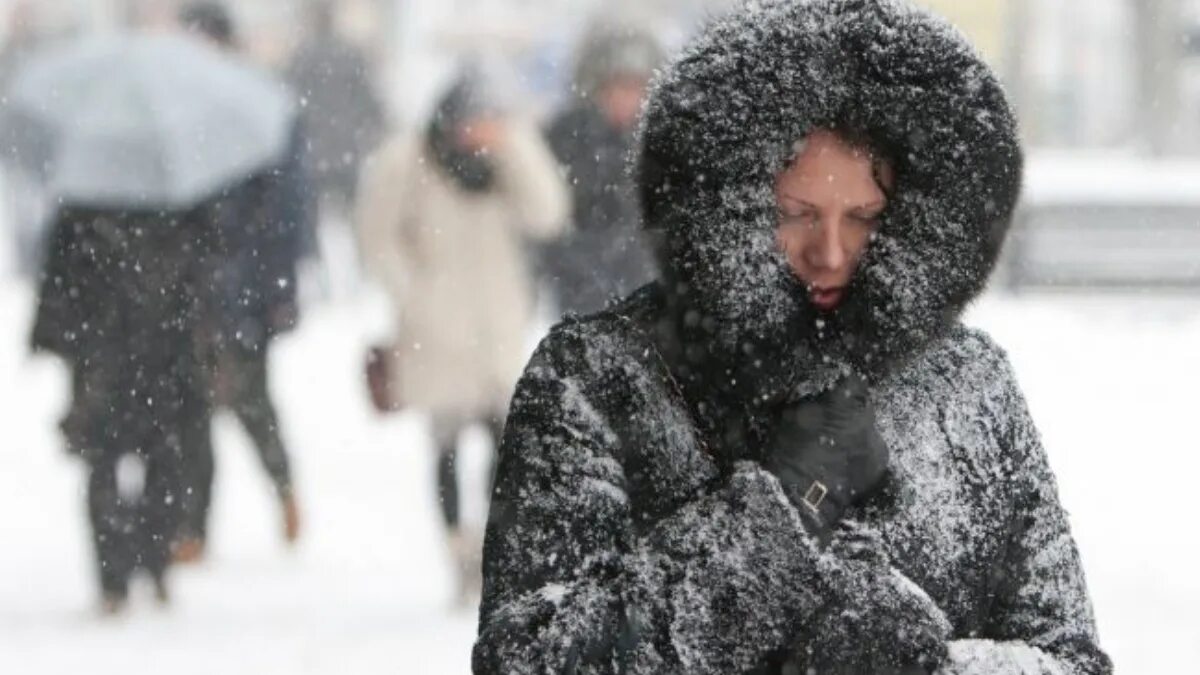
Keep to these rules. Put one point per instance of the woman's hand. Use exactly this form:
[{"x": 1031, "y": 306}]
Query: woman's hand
[
  {"x": 827, "y": 453},
  {"x": 884, "y": 625},
  {"x": 877, "y": 621}
]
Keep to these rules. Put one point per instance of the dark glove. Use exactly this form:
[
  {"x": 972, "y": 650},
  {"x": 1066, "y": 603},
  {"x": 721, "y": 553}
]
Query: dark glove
[
  {"x": 876, "y": 622},
  {"x": 827, "y": 453}
]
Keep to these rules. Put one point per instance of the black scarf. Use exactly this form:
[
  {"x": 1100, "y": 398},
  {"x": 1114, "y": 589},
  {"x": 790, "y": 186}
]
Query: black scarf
[{"x": 472, "y": 171}]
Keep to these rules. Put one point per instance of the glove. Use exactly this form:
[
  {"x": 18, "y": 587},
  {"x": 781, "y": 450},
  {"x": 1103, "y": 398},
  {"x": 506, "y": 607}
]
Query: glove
[
  {"x": 827, "y": 454},
  {"x": 883, "y": 624},
  {"x": 877, "y": 621}
]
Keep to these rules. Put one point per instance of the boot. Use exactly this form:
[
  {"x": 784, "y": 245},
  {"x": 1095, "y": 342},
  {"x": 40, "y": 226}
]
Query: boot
[
  {"x": 188, "y": 550},
  {"x": 161, "y": 594},
  {"x": 291, "y": 519},
  {"x": 113, "y": 604}
]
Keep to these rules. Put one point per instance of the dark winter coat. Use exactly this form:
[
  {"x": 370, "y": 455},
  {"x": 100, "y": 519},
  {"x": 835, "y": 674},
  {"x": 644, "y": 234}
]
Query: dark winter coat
[
  {"x": 120, "y": 300},
  {"x": 342, "y": 112},
  {"x": 605, "y": 255},
  {"x": 633, "y": 528},
  {"x": 113, "y": 277},
  {"x": 262, "y": 227}
]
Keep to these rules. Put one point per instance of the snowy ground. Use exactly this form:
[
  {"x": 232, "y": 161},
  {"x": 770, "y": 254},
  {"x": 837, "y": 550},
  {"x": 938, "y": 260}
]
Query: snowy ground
[
  {"x": 1111, "y": 380},
  {"x": 365, "y": 591}
]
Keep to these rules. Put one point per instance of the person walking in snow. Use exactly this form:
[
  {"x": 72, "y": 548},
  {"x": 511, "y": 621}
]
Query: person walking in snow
[
  {"x": 443, "y": 219},
  {"x": 119, "y": 302},
  {"x": 343, "y": 113},
  {"x": 789, "y": 455},
  {"x": 260, "y": 225},
  {"x": 604, "y": 255}
]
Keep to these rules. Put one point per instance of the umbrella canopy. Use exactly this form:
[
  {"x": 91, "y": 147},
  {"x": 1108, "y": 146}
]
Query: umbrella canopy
[{"x": 143, "y": 121}]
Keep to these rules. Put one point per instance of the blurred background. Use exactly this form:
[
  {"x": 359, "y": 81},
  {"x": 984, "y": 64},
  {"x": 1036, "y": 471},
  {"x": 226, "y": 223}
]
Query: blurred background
[{"x": 339, "y": 554}]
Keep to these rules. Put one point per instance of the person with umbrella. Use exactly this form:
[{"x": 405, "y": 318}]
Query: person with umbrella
[
  {"x": 260, "y": 223},
  {"x": 131, "y": 153}
]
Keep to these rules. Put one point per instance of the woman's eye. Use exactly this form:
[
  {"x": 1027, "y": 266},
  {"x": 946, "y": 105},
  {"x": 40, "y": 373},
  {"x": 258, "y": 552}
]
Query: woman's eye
[
  {"x": 801, "y": 218},
  {"x": 870, "y": 220}
]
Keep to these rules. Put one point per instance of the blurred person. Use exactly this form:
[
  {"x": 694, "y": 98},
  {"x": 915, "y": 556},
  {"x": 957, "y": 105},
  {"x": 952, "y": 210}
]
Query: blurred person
[
  {"x": 118, "y": 302},
  {"x": 343, "y": 115},
  {"x": 604, "y": 256},
  {"x": 150, "y": 15},
  {"x": 259, "y": 223},
  {"x": 791, "y": 456},
  {"x": 210, "y": 20},
  {"x": 443, "y": 218},
  {"x": 21, "y": 39},
  {"x": 23, "y": 195}
]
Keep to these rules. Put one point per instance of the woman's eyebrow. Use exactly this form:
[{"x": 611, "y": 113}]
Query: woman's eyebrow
[
  {"x": 798, "y": 200},
  {"x": 878, "y": 204}
]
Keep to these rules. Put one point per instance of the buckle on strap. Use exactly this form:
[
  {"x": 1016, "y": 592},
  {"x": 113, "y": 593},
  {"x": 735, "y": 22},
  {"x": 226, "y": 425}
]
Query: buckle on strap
[{"x": 815, "y": 495}]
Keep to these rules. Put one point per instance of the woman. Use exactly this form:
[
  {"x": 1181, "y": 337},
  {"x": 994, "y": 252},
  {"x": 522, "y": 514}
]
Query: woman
[
  {"x": 443, "y": 219},
  {"x": 698, "y": 480}
]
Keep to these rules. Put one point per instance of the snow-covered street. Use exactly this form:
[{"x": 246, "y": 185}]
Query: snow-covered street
[
  {"x": 365, "y": 591},
  {"x": 1111, "y": 381}
]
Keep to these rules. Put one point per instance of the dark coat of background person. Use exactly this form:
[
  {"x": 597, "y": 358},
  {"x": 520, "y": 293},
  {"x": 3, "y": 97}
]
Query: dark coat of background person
[
  {"x": 633, "y": 528},
  {"x": 344, "y": 118},
  {"x": 263, "y": 225},
  {"x": 605, "y": 255},
  {"x": 120, "y": 300},
  {"x": 260, "y": 228}
]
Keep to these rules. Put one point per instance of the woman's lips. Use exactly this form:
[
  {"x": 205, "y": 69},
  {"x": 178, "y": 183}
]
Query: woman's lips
[{"x": 826, "y": 299}]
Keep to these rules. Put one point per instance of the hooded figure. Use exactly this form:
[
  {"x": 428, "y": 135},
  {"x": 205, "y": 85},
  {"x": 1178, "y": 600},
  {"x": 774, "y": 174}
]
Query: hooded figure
[
  {"x": 443, "y": 219},
  {"x": 344, "y": 117},
  {"x": 650, "y": 512},
  {"x": 605, "y": 255},
  {"x": 442, "y": 226}
]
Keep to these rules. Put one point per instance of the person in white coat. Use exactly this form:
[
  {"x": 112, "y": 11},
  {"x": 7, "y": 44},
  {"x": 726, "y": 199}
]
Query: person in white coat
[{"x": 444, "y": 218}]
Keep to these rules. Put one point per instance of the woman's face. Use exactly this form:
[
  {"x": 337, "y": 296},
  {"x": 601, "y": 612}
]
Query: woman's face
[
  {"x": 621, "y": 100},
  {"x": 480, "y": 133},
  {"x": 829, "y": 200}
]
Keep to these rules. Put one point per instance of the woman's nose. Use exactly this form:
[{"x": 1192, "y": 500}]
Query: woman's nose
[{"x": 824, "y": 250}]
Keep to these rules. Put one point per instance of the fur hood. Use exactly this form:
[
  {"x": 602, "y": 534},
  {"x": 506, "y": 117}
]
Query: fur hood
[{"x": 723, "y": 120}]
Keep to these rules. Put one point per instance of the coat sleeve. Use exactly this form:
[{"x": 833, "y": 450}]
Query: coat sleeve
[
  {"x": 533, "y": 183},
  {"x": 572, "y": 586},
  {"x": 380, "y": 215},
  {"x": 1042, "y": 621},
  {"x": 287, "y": 219},
  {"x": 59, "y": 315}
]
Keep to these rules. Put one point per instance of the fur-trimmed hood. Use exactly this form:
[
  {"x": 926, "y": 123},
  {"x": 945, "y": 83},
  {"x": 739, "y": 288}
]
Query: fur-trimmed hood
[{"x": 723, "y": 120}]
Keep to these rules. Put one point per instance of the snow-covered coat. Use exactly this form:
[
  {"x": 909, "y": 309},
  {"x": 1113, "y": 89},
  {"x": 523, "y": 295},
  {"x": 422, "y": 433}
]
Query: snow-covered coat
[
  {"x": 633, "y": 528},
  {"x": 453, "y": 263}
]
